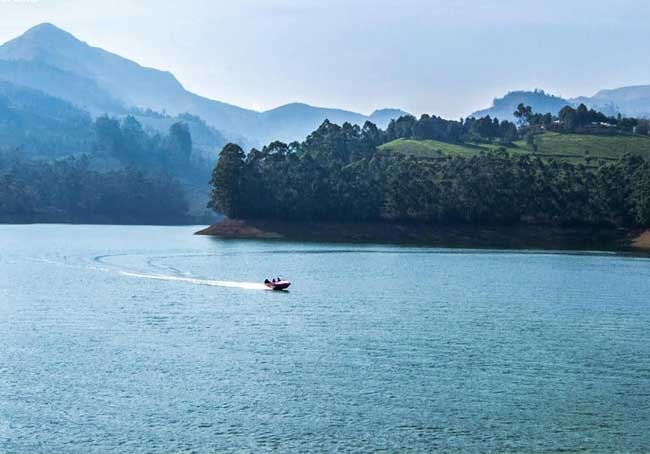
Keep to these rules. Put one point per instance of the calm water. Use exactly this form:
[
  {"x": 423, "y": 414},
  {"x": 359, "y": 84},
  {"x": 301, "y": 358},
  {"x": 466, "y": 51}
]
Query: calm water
[{"x": 149, "y": 339}]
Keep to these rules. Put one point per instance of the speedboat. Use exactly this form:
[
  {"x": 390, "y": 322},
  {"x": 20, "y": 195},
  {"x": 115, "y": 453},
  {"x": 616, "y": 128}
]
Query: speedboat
[{"x": 277, "y": 284}]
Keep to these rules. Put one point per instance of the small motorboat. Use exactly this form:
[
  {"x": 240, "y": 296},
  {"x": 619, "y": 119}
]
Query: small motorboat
[{"x": 277, "y": 284}]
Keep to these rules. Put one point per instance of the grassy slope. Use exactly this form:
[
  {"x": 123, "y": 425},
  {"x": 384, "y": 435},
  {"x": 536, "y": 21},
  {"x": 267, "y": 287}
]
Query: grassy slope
[
  {"x": 566, "y": 147},
  {"x": 605, "y": 147},
  {"x": 433, "y": 148}
]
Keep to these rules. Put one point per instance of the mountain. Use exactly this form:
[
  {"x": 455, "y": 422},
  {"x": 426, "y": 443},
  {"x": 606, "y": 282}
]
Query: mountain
[
  {"x": 81, "y": 91},
  {"x": 503, "y": 108},
  {"x": 282, "y": 122},
  {"x": 41, "y": 124},
  {"x": 126, "y": 81},
  {"x": 633, "y": 101},
  {"x": 382, "y": 117},
  {"x": 42, "y": 129},
  {"x": 54, "y": 61}
]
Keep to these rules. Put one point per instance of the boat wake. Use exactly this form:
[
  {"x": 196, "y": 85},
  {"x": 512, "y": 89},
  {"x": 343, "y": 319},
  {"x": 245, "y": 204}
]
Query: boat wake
[{"x": 191, "y": 280}]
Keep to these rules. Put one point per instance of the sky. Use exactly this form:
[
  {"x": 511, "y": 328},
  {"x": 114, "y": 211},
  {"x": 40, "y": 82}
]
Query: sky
[{"x": 448, "y": 58}]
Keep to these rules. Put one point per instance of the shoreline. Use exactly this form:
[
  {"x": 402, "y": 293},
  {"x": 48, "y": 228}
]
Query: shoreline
[{"x": 454, "y": 236}]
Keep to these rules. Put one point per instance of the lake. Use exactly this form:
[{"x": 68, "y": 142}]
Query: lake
[{"x": 149, "y": 339}]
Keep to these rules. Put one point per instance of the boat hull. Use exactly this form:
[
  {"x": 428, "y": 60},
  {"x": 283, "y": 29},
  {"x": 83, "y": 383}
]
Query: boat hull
[{"x": 282, "y": 285}]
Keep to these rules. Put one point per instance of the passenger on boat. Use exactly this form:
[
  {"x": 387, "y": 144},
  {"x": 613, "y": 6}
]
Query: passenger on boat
[{"x": 266, "y": 281}]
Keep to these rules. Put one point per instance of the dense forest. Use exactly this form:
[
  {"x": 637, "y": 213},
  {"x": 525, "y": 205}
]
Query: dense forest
[
  {"x": 339, "y": 174},
  {"x": 106, "y": 170},
  {"x": 42, "y": 125},
  {"x": 39, "y": 130},
  {"x": 68, "y": 190},
  {"x": 127, "y": 141},
  {"x": 124, "y": 178}
]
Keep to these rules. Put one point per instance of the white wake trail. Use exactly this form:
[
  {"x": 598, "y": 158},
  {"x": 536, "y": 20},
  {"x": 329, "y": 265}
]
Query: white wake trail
[{"x": 190, "y": 280}]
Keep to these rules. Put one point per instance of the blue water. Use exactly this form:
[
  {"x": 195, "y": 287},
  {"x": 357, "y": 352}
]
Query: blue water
[{"x": 149, "y": 339}]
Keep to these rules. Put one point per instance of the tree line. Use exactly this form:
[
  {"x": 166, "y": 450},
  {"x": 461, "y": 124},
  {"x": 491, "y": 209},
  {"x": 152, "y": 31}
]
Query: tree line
[
  {"x": 463, "y": 130},
  {"x": 142, "y": 187},
  {"x": 568, "y": 120},
  {"x": 339, "y": 174},
  {"x": 128, "y": 141},
  {"x": 579, "y": 120},
  {"x": 69, "y": 190}
]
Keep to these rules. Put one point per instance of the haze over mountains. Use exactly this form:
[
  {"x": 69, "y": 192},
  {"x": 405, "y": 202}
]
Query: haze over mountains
[
  {"x": 631, "y": 101},
  {"x": 54, "y": 61}
]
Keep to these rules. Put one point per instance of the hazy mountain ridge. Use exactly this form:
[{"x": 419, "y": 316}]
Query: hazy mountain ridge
[
  {"x": 126, "y": 80},
  {"x": 57, "y": 63},
  {"x": 633, "y": 101},
  {"x": 504, "y": 107},
  {"x": 45, "y": 130},
  {"x": 81, "y": 91},
  {"x": 101, "y": 81},
  {"x": 41, "y": 124},
  {"x": 282, "y": 121}
]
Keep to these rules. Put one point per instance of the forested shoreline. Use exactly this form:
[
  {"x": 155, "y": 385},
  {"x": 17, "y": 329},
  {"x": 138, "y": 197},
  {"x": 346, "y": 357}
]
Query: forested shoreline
[
  {"x": 60, "y": 163},
  {"x": 123, "y": 174},
  {"x": 70, "y": 191},
  {"x": 342, "y": 174},
  {"x": 339, "y": 174}
]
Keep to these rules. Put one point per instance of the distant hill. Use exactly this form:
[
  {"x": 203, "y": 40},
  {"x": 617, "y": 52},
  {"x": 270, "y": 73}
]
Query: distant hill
[
  {"x": 44, "y": 128},
  {"x": 283, "y": 121},
  {"x": 41, "y": 124},
  {"x": 540, "y": 101},
  {"x": 631, "y": 101},
  {"x": 54, "y": 61},
  {"x": 573, "y": 148},
  {"x": 382, "y": 117},
  {"x": 81, "y": 91}
]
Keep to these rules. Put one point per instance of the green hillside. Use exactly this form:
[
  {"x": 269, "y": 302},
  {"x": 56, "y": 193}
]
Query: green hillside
[
  {"x": 435, "y": 148},
  {"x": 602, "y": 147},
  {"x": 567, "y": 147}
]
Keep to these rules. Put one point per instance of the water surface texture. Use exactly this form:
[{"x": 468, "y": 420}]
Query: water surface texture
[{"x": 149, "y": 339}]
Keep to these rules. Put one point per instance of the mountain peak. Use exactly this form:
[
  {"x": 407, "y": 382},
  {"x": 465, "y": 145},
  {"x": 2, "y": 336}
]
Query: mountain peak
[
  {"x": 126, "y": 81},
  {"x": 39, "y": 41},
  {"x": 47, "y": 33},
  {"x": 45, "y": 27},
  {"x": 292, "y": 106},
  {"x": 388, "y": 112},
  {"x": 52, "y": 60}
]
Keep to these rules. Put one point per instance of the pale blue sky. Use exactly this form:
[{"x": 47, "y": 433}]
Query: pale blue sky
[{"x": 444, "y": 57}]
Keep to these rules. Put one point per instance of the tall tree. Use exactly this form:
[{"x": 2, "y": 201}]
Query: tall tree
[
  {"x": 523, "y": 114},
  {"x": 179, "y": 143},
  {"x": 227, "y": 182}
]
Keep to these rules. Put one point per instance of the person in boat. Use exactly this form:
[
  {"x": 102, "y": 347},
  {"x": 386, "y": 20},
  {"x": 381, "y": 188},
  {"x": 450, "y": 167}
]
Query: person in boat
[{"x": 266, "y": 281}]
